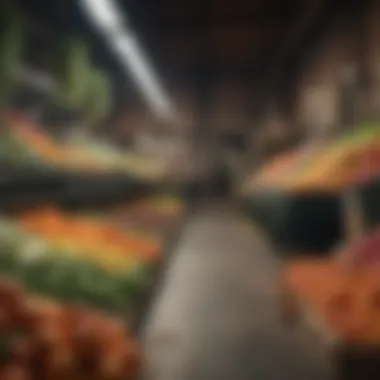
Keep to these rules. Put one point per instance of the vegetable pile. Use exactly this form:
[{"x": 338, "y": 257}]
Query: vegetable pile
[
  {"x": 44, "y": 340},
  {"x": 24, "y": 143},
  {"x": 346, "y": 299},
  {"x": 67, "y": 283},
  {"x": 76, "y": 260},
  {"x": 327, "y": 168}
]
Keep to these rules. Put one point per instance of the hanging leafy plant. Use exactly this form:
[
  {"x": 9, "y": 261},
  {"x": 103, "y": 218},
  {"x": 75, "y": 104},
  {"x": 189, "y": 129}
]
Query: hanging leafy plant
[
  {"x": 72, "y": 73},
  {"x": 97, "y": 102}
]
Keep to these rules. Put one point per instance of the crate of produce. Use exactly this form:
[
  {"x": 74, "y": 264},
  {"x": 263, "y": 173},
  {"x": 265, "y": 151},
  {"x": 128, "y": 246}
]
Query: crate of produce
[
  {"x": 23, "y": 142},
  {"x": 74, "y": 253},
  {"x": 43, "y": 339},
  {"x": 310, "y": 184},
  {"x": 339, "y": 298},
  {"x": 63, "y": 296}
]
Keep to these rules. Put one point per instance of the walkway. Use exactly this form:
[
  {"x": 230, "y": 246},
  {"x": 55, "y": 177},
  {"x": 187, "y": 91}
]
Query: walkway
[{"x": 216, "y": 317}]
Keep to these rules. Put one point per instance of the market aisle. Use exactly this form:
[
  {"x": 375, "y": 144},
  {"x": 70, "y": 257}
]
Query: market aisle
[{"x": 216, "y": 316}]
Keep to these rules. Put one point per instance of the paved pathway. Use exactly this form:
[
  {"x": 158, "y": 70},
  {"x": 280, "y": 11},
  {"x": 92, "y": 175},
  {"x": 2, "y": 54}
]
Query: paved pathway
[{"x": 216, "y": 317}]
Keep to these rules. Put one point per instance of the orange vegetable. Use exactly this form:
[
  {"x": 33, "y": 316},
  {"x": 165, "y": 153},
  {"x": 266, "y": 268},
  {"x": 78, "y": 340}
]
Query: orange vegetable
[
  {"x": 347, "y": 300},
  {"x": 55, "y": 226}
]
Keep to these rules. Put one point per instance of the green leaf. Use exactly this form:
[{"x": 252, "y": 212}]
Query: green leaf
[
  {"x": 72, "y": 73},
  {"x": 97, "y": 103}
]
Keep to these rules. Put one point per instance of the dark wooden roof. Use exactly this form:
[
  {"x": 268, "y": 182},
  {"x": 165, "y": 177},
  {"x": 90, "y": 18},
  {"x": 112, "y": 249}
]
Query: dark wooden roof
[{"x": 203, "y": 46}]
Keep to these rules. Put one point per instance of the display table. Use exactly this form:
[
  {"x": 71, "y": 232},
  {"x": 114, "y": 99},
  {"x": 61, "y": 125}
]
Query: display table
[{"x": 342, "y": 307}]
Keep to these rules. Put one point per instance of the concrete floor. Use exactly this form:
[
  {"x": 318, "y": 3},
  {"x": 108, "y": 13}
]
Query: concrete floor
[{"x": 216, "y": 317}]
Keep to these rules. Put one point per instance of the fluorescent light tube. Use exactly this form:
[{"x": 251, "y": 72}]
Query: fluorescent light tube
[{"x": 106, "y": 16}]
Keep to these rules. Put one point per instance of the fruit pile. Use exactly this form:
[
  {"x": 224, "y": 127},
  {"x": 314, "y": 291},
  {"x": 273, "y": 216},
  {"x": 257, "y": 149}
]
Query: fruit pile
[
  {"x": 75, "y": 260},
  {"x": 343, "y": 290},
  {"x": 337, "y": 165},
  {"x": 22, "y": 142},
  {"x": 347, "y": 300},
  {"x": 325, "y": 168},
  {"x": 96, "y": 237},
  {"x": 268, "y": 174},
  {"x": 43, "y": 340},
  {"x": 67, "y": 284}
]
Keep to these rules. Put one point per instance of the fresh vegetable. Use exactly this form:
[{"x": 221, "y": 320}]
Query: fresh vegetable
[
  {"x": 91, "y": 237},
  {"x": 72, "y": 272},
  {"x": 42, "y": 339},
  {"x": 72, "y": 70},
  {"x": 24, "y": 141},
  {"x": 345, "y": 299},
  {"x": 323, "y": 168}
]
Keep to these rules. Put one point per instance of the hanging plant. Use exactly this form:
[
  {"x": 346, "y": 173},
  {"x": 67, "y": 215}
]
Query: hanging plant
[
  {"x": 71, "y": 71},
  {"x": 97, "y": 102},
  {"x": 94, "y": 106}
]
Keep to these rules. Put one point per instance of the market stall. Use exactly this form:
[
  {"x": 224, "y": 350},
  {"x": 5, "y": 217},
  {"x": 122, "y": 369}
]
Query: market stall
[
  {"x": 84, "y": 226},
  {"x": 338, "y": 298},
  {"x": 302, "y": 192}
]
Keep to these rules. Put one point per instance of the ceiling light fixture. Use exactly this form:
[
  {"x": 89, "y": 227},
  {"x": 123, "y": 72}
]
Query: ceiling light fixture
[
  {"x": 132, "y": 57},
  {"x": 106, "y": 16},
  {"x": 104, "y": 13}
]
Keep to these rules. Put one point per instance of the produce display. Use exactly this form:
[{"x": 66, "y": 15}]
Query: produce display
[
  {"x": 347, "y": 301},
  {"x": 68, "y": 283},
  {"x": 101, "y": 261},
  {"x": 75, "y": 260},
  {"x": 341, "y": 163},
  {"x": 344, "y": 291},
  {"x": 269, "y": 174},
  {"x": 71, "y": 282},
  {"x": 23, "y": 143},
  {"x": 44, "y": 340},
  {"x": 323, "y": 168}
]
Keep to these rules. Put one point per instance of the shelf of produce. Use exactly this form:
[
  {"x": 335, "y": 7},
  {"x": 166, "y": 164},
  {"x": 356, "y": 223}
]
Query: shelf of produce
[
  {"x": 37, "y": 268},
  {"x": 314, "y": 292},
  {"x": 61, "y": 298}
]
